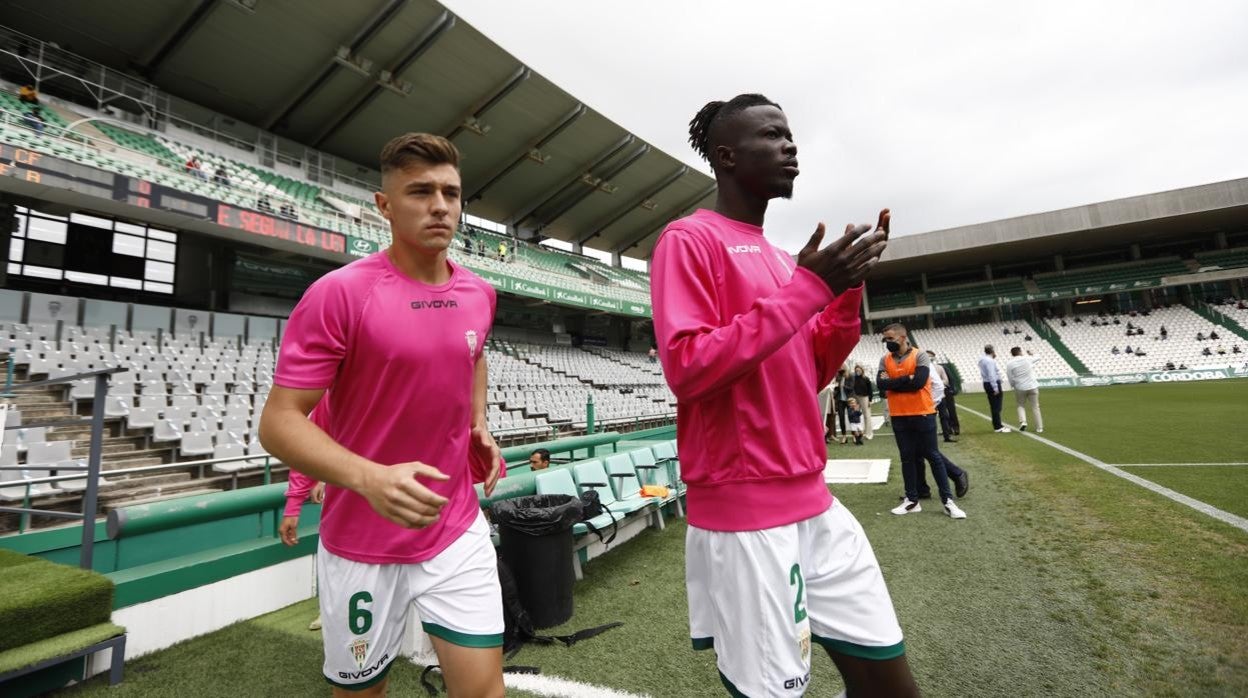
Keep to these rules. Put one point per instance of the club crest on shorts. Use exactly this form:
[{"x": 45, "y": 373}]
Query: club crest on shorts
[
  {"x": 359, "y": 650},
  {"x": 803, "y": 641},
  {"x": 471, "y": 337}
]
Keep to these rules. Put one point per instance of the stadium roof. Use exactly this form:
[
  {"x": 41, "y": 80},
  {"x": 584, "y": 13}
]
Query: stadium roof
[
  {"x": 344, "y": 77},
  {"x": 1189, "y": 212}
]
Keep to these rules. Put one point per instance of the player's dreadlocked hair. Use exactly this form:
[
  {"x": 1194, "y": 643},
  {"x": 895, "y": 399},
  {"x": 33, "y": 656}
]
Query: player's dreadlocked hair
[{"x": 700, "y": 125}]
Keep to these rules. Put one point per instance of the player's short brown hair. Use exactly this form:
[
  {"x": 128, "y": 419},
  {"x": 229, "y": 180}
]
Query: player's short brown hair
[{"x": 418, "y": 148}]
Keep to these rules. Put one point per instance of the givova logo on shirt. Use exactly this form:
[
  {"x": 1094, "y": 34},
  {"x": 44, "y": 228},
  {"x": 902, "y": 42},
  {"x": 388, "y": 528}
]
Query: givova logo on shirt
[
  {"x": 744, "y": 249},
  {"x": 435, "y": 305}
]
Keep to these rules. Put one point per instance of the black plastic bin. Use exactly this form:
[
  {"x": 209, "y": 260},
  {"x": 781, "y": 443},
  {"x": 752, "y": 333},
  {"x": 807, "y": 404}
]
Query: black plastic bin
[{"x": 536, "y": 543}]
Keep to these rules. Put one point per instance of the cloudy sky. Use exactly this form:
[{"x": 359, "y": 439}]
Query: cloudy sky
[{"x": 950, "y": 113}]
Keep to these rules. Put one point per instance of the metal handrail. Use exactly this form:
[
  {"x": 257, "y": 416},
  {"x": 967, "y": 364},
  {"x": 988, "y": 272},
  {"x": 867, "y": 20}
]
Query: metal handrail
[{"x": 94, "y": 463}]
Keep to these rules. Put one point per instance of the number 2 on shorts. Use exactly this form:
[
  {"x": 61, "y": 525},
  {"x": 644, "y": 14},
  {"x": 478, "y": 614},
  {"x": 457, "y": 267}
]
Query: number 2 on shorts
[
  {"x": 359, "y": 619},
  {"x": 799, "y": 608}
]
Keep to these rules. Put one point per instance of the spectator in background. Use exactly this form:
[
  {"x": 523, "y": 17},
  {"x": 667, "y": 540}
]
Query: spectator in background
[
  {"x": 1129, "y": 351},
  {"x": 825, "y": 409},
  {"x": 1115, "y": 351},
  {"x": 1164, "y": 334},
  {"x": 26, "y": 94},
  {"x": 842, "y": 390},
  {"x": 34, "y": 120},
  {"x": 539, "y": 459},
  {"x": 1169, "y": 365},
  {"x": 991, "y": 377},
  {"x": 299, "y": 487},
  {"x": 1206, "y": 352},
  {"x": 1221, "y": 350},
  {"x": 1200, "y": 336},
  {"x": 960, "y": 478},
  {"x": 653, "y": 353},
  {"x": 905, "y": 375},
  {"x": 941, "y": 395},
  {"x": 854, "y": 416},
  {"x": 863, "y": 392},
  {"x": 194, "y": 168},
  {"x": 1235, "y": 349},
  {"x": 1022, "y": 374},
  {"x": 288, "y": 211},
  {"x": 1214, "y": 335},
  {"x": 1005, "y": 331},
  {"x": 502, "y": 251},
  {"x": 263, "y": 204},
  {"x": 221, "y": 176}
]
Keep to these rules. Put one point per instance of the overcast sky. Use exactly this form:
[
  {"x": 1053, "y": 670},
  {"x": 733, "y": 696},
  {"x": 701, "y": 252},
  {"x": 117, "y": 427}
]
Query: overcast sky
[{"x": 949, "y": 113}]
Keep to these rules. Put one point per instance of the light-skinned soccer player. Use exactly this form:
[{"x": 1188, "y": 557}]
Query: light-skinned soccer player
[{"x": 394, "y": 343}]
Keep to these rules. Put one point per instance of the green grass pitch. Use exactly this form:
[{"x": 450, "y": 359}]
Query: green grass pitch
[{"x": 1064, "y": 580}]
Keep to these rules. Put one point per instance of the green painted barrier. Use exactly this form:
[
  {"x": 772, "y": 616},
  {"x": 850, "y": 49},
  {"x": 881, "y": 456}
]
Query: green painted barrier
[
  {"x": 517, "y": 454},
  {"x": 186, "y": 511}
]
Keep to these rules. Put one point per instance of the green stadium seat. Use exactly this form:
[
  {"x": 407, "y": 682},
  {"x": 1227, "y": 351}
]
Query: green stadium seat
[
  {"x": 590, "y": 474},
  {"x": 654, "y": 474},
  {"x": 559, "y": 481}
]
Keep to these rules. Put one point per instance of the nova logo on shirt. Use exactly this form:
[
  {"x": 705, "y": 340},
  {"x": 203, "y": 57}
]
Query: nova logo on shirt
[
  {"x": 436, "y": 305},
  {"x": 743, "y": 249}
]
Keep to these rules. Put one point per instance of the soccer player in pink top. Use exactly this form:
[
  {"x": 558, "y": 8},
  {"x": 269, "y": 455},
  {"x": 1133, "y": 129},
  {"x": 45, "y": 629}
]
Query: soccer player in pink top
[
  {"x": 394, "y": 343},
  {"x": 747, "y": 339}
]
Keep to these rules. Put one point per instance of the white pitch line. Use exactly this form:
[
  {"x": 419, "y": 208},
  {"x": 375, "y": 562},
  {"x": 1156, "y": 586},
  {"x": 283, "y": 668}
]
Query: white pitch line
[
  {"x": 1224, "y": 516},
  {"x": 561, "y": 688},
  {"x": 1167, "y": 465}
]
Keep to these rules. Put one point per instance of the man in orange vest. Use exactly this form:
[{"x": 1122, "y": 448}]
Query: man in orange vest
[{"x": 904, "y": 374}]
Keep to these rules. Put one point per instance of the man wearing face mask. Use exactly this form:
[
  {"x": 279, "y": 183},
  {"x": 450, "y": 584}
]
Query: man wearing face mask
[{"x": 905, "y": 373}]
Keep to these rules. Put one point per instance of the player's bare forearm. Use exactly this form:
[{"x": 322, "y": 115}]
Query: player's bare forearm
[
  {"x": 288, "y": 434},
  {"x": 480, "y": 386}
]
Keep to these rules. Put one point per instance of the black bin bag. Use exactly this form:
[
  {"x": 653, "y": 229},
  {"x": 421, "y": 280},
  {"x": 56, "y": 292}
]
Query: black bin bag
[{"x": 536, "y": 544}]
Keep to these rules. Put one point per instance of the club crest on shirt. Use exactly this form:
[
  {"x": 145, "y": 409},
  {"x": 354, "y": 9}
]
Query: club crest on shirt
[
  {"x": 471, "y": 337},
  {"x": 359, "y": 650}
]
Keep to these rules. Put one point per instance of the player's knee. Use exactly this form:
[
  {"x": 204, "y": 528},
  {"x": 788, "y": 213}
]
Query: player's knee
[{"x": 484, "y": 688}]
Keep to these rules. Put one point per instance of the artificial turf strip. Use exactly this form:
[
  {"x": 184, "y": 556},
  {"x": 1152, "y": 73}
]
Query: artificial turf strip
[
  {"x": 1063, "y": 581},
  {"x": 58, "y": 646},
  {"x": 40, "y": 599}
]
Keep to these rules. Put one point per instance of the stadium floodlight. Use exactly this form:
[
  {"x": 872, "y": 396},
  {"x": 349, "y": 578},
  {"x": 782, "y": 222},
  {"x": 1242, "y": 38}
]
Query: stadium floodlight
[
  {"x": 248, "y": 6},
  {"x": 649, "y": 205},
  {"x": 356, "y": 64},
  {"x": 389, "y": 81},
  {"x": 538, "y": 156}
]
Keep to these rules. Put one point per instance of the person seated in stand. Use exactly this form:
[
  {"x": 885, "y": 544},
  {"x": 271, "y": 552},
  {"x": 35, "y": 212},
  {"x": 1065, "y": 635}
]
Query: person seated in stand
[
  {"x": 1221, "y": 350},
  {"x": 221, "y": 176},
  {"x": 1005, "y": 330},
  {"x": 1235, "y": 349},
  {"x": 1164, "y": 332},
  {"x": 1114, "y": 351},
  {"x": 263, "y": 204},
  {"x": 1214, "y": 335},
  {"x": 1095, "y": 323},
  {"x": 27, "y": 95},
  {"x": 1063, "y": 322},
  {"x": 1140, "y": 352},
  {"x": 1182, "y": 367},
  {"x": 1116, "y": 322},
  {"x": 539, "y": 459},
  {"x": 1200, "y": 336},
  {"x": 1206, "y": 352},
  {"x": 1169, "y": 365},
  {"x": 1129, "y": 351}
]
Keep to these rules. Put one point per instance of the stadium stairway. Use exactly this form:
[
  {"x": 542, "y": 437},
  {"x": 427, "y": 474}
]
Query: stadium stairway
[
  {"x": 1218, "y": 317},
  {"x": 1047, "y": 334}
]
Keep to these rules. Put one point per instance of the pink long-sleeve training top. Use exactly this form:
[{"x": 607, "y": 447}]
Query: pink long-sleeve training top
[{"x": 747, "y": 339}]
